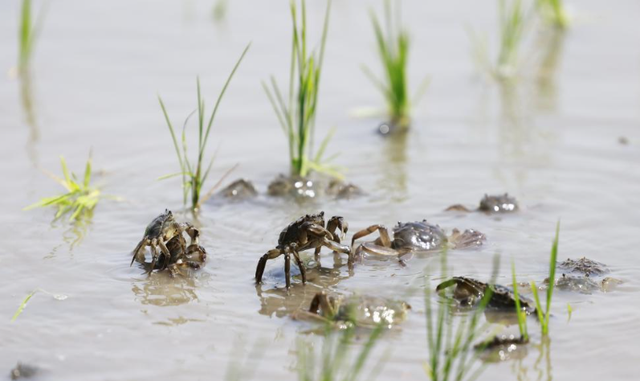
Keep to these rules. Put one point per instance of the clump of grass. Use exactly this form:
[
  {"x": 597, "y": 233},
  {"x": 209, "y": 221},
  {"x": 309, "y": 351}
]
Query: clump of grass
[
  {"x": 553, "y": 13},
  {"x": 297, "y": 114},
  {"x": 194, "y": 175},
  {"x": 336, "y": 363},
  {"x": 23, "y": 305},
  {"x": 522, "y": 316},
  {"x": 543, "y": 317},
  {"x": 393, "y": 48},
  {"x": 81, "y": 198},
  {"x": 449, "y": 353}
]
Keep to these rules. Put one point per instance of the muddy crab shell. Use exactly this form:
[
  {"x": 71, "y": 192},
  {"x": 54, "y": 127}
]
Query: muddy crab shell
[
  {"x": 290, "y": 233},
  {"x": 154, "y": 228},
  {"x": 418, "y": 235},
  {"x": 498, "y": 204}
]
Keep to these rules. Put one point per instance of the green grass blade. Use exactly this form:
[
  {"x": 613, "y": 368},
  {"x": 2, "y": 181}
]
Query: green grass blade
[
  {"x": 87, "y": 172},
  {"x": 173, "y": 135},
  {"x": 23, "y": 305},
  {"x": 224, "y": 89},
  {"x": 552, "y": 270},
  {"x": 522, "y": 322}
]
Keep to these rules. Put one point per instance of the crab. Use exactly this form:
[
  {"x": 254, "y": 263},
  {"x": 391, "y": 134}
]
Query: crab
[
  {"x": 307, "y": 232},
  {"x": 158, "y": 234},
  {"x": 240, "y": 189},
  {"x": 361, "y": 311},
  {"x": 469, "y": 292},
  {"x": 413, "y": 237},
  {"x": 584, "y": 265},
  {"x": 194, "y": 257},
  {"x": 490, "y": 204}
]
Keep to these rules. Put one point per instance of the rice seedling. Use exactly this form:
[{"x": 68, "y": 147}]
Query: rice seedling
[
  {"x": 513, "y": 22},
  {"x": 393, "y": 48},
  {"x": 28, "y": 31},
  {"x": 193, "y": 174},
  {"x": 452, "y": 355},
  {"x": 522, "y": 316},
  {"x": 81, "y": 198},
  {"x": 297, "y": 114},
  {"x": 23, "y": 305},
  {"x": 553, "y": 13},
  {"x": 219, "y": 11},
  {"x": 336, "y": 361},
  {"x": 543, "y": 317},
  {"x": 512, "y": 26}
]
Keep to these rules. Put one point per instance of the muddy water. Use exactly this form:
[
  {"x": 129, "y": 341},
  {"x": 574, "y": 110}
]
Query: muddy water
[{"x": 551, "y": 141}]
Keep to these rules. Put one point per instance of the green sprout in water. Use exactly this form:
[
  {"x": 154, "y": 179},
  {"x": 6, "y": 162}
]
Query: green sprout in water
[
  {"x": 194, "y": 174},
  {"x": 522, "y": 315},
  {"x": 513, "y": 22},
  {"x": 553, "y": 13},
  {"x": 23, "y": 305},
  {"x": 220, "y": 9},
  {"x": 336, "y": 361},
  {"x": 393, "y": 48},
  {"x": 449, "y": 353},
  {"x": 28, "y": 31},
  {"x": 80, "y": 199},
  {"x": 512, "y": 26},
  {"x": 297, "y": 114},
  {"x": 543, "y": 317}
]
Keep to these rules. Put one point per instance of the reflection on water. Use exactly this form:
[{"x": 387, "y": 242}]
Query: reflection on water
[
  {"x": 394, "y": 166},
  {"x": 74, "y": 232},
  {"x": 27, "y": 101},
  {"x": 160, "y": 289},
  {"x": 551, "y": 45},
  {"x": 543, "y": 371},
  {"x": 282, "y": 303},
  {"x": 522, "y": 142}
]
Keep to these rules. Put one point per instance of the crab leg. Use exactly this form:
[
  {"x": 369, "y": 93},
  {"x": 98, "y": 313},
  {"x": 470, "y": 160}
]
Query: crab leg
[
  {"x": 271, "y": 254},
  {"x": 167, "y": 254},
  {"x": 138, "y": 249},
  {"x": 296, "y": 256},
  {"x": 154, "y": 256},
  {"x": 320, "y": 302},
  {"x": 385, "y": 240},
  {"x": 344, "y": 249},
  {"x": 337, "y": 223},
  {"x": 193, "y": 233},
  {"x": 287, "y": 268}
]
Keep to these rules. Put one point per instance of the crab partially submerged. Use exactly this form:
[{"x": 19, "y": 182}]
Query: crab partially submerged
[
  {"x": 360, "y": 311},
  {"x": 576, "y": 283},
  {"x": 168, "y": 246},
  {"x": 584, "y": 265},
  {"x": 240, "y": 189},
  {"x": 490, "y": 204},
  {"x": 413, "y": 237},
  {"x": 469, "y": 292},
  {"x": 307, "y": 232},
  {"x": 502, "y": 348},
  {"x": 312, "y": 187}
]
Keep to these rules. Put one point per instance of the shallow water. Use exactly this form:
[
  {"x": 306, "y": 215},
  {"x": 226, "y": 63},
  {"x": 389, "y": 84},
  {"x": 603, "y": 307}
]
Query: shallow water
[{"x": 551, "y": 142}]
